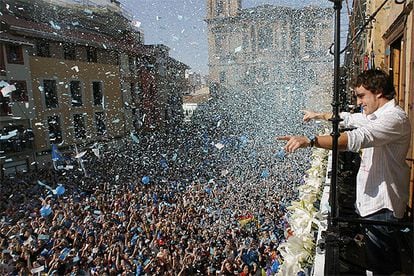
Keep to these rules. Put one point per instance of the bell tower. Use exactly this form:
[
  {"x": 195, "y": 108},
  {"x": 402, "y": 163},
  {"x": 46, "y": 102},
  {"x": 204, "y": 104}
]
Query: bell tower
[
  {"x": 220, "y": 36},
  {"x": 222, "y": 8}
]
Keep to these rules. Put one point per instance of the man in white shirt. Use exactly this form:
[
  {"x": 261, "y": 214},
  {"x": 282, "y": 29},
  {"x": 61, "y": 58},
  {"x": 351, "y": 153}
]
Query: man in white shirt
[{"x": 383, "y": 135}]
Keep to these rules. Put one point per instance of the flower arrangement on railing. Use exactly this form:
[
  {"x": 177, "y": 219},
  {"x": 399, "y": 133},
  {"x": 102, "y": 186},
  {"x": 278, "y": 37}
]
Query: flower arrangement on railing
[{"x": 298, "y": 250}]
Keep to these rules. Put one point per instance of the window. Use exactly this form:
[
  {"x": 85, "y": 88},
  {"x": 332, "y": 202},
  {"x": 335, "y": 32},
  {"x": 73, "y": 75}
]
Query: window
[
  {"x": 265, "y": 73},
  {"x": 5, "y": 109},
  {"x": 20, "y": 94},
  {"x": 135, "y": 89},
  {"x": 253, "y": 38},
  {"x": 79, "y": 125},
  {"x": 138, "y": 91},
  {"x": 251, "y": 74},
  {"x": 91, "y": 54},
  {"x": 117, "y": 58},
  {"x": 395, "y": 61},
  {"x": 50, "y": 90},
  {"x": 219, "y": 43},
  {"x": 219, "y": 7},
  {"x": 132, "y": 88},
  {"x": 138, "y": 37},
  {"x": 265, "y": 40},
  {"x": 55, "y": 131},
  {"x": 76, "y": 93},
  {"x": 309, "y": 40},
  {"x": 222, "y": 76},
  {"x": 138, "y": 88},
  {"x": 100, "y": 123},
  {"x": 43, "y": 48},
  {"x": 2, "y": 62},
  {"x": 97, "y": 93},
  {"x": 14, "y": 54},
  {"x": 283, "y": 35},
  {"x": 131, "y": 62},
  {"x": 245, "y": 41},
  {"x": 69, "y": 51}
]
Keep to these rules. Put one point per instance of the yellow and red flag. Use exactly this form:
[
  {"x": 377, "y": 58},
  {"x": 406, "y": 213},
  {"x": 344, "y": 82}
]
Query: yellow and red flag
[{"x": 243, "y": 220}]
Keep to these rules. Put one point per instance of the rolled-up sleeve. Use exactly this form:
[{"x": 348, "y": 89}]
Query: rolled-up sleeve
[
  {"x": 353, "y": 119},
  {"x": 375, "y": 133}
]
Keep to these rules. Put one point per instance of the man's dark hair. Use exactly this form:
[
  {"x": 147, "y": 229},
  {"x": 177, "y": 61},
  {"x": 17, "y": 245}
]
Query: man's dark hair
[{"x": 376, "y": 81}]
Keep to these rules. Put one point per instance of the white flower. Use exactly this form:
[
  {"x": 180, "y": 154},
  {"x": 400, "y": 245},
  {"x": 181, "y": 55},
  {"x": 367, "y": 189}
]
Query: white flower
[{"x": 297, "y": 251}]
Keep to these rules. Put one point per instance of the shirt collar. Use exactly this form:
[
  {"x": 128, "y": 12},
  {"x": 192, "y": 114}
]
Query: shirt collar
[{"x": 382, "y": 109}]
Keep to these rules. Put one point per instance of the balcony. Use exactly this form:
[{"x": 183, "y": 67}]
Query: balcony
[{"x": 346, "y": 254}]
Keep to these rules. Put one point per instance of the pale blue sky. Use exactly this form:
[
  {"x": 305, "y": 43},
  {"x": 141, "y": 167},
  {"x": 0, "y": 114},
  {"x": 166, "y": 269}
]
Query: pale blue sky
[{"x": 180, "y": 25}]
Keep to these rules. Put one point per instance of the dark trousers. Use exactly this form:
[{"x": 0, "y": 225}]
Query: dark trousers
[{"x": 383, "y": 244}]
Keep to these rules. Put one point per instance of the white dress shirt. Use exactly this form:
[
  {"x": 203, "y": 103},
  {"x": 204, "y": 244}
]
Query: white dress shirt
[{"x": 383, "y": 176}]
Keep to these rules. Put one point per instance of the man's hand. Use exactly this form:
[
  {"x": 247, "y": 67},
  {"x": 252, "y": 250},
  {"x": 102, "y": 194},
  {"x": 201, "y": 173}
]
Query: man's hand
[
  {"x": 294, "y": 142},
  {"x": 310, "y": 115}
]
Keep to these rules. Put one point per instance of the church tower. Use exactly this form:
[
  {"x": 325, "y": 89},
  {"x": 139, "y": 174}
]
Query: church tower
[
  {"x": 220, "y": 16},
  {"x": 222, "y": 8}
]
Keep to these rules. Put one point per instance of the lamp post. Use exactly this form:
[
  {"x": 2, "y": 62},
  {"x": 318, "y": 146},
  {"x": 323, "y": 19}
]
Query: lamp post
[{"x": 332, "y": 233}]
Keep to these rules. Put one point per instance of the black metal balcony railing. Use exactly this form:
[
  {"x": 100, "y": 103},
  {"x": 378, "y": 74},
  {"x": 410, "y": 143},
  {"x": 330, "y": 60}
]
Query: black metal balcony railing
[{"x": 351, "y": 253}]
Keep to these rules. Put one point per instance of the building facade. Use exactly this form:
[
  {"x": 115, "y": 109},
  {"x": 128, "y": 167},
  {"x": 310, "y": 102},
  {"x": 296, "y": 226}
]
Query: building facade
[
  {"x": 16, "y": 109},
  {"x": 79, "y": 80},
  {"x": 268, "y": 46}
]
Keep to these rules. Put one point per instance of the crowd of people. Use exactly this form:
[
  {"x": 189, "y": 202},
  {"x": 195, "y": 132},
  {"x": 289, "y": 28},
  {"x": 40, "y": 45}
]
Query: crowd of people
[{"x": 213, "y": 203}]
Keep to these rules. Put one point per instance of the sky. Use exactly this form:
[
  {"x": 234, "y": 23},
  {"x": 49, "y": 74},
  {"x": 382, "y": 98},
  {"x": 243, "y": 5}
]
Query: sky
[{"x": 180, "y": 25}]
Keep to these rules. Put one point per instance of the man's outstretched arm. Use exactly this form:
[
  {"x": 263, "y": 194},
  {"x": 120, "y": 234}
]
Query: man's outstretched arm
[
  {"x": 310, "y": 115},
  {"x": 324, "y": 141}
]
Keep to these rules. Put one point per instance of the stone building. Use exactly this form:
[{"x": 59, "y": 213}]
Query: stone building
[
  {"x": 78, "y": 79},
  {"x": 270, "y": 47}
]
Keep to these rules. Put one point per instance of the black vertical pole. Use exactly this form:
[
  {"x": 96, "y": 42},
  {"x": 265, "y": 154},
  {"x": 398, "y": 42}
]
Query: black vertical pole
[
  {"x": 332, "y": 233},
  {"x": 335, "y": 111}
]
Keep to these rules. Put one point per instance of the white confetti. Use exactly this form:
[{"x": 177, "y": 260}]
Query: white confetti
[
  {"x": 136, "y": 23},
  {"x": 219, "y": 146},
  {"x": 7, "y": 90},
  {"x": 54, "y": 26},
  {"x": 80, "y": 155},
  {"x": 8, "y": 135}
]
